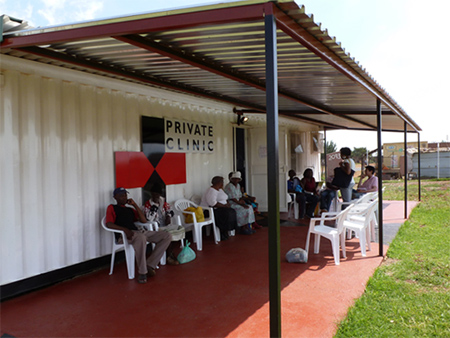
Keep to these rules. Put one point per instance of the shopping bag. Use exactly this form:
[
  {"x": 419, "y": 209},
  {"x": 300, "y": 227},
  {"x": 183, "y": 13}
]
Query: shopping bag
[
  {"x": 186, "y": 255},
  {"x": 199, "y": 216}
]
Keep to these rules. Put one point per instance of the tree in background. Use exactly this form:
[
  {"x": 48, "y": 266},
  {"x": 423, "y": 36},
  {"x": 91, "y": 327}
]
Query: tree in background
[
  {"x": 359, "y": 155},
  {"x": 331, "y": 147}
]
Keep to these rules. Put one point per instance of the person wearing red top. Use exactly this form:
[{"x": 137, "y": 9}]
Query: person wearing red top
[
  {"x": 121, "y": 217},
  {"x": 310, "y": 197}
]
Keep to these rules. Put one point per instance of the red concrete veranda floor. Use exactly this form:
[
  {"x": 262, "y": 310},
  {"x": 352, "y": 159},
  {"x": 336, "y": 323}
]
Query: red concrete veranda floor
[{"x": 223, "y": 293}]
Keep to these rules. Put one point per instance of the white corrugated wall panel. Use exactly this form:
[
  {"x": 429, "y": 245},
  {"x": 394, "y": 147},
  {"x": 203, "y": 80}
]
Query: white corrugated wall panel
[
  {"x": 12, "y": 255},
  {"x": 31, "y": 173},
  {"x": 59, "y": 131}
]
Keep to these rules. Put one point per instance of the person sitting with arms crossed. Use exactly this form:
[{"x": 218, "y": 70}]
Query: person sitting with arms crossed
[{"x": 121, "y": 217}]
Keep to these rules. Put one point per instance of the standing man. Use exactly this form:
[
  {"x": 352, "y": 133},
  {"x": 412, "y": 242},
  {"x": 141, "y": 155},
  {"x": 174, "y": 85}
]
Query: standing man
[{"x": 121, "y": 217}]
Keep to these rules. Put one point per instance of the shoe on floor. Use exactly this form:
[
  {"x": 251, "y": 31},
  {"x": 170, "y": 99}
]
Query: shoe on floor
[
  {"x": 142, "y": 279},
  {"x": 256, "y": 226},
  {"x": 151, "y": 272},
  {"x": 246, "y": 231},
  {"x": 172, "y": 261}
]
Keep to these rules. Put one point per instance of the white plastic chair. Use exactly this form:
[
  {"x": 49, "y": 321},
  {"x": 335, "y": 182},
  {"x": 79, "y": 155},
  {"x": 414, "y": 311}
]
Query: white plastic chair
[
  {"x": 361, "y": 222},
  {"x": 362, "y": 204},
  {"x": 366, "y": 198},
  {"x": 334, "y": 234},
  {"x": 180, "y": 207},
  {"x": 294, "y": 205},
  {"x": 128, "y": 248}
]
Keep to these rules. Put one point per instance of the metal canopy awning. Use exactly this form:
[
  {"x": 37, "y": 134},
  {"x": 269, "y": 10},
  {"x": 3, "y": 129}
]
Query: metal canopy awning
[
  {"x": 224, "y": 52},
  {"x": 218, "y": 52}
]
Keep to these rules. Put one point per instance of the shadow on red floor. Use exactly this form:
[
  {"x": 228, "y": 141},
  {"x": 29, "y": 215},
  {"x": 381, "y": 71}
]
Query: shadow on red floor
[{"x": 223, "y": 293}]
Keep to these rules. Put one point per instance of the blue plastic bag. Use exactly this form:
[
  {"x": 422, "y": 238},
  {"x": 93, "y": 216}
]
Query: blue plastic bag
[{"x": 186, "y": 255}]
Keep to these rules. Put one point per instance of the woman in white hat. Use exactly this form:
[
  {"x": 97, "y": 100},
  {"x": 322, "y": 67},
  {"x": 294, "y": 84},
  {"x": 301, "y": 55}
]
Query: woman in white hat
[{"x": 244, "y": 212}]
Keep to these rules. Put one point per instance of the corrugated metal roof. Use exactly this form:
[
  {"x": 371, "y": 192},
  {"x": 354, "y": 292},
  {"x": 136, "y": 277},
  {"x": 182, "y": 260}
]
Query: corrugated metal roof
[{"x": 219, "y": 52}]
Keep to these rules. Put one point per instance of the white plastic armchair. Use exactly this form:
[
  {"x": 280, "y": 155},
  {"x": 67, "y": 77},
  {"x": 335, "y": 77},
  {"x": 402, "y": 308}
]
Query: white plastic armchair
[
  {"x": 181, "y": 205},
  {"x": 116, "y": 246},
  {"x": 361, "y": 222},
  {"x": 364, "y": 200},
  {"x": 293, "y": 205},
  {"x": 333, "y": 233},
  {"x": 128, "y": 248}
]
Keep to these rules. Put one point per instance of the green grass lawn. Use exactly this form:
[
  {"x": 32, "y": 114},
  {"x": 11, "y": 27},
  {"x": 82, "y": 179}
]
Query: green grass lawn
[{"x": 409, "y": 294}]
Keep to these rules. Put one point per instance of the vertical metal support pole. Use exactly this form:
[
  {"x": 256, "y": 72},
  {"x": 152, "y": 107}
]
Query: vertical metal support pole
[
  {"x": 325, "y": 152},
  {"x": 234, "y": 149},
  {"x": 405, "y": 165},
  {"x": 380, "y": 180},
  {"x": 418, "y": 164},
  {"x": 273, "y": 192}
]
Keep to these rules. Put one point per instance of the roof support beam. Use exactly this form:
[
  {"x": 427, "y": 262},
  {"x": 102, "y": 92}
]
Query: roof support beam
[
  {"x": 221, "y": 70},
  {"x": 78, "y": 61},
  {"x": 140, "y": 24},
  {"x": 188, "y": 58}
]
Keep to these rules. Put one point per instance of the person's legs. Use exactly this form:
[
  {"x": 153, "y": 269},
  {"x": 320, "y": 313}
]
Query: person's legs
[
  {"x": 139, "y": 243},
  {"x": 324, "y": 196},
  {"x": 171, "y": 259},
  {"x": 226, "y": 220},
  {"x": 301, "y": 200},
  {"x": 347, "y": 193},
  {"x": 162, "y": 239},
  {"x": 330, "y": 197},
  {"x": 312, "y": 201}
]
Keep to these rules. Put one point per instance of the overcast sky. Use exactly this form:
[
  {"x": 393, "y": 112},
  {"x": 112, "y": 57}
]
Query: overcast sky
[{"x": 401, "y": 43}]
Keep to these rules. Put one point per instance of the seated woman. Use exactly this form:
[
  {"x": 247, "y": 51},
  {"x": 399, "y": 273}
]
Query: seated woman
[
  {"x": 245, "y": 214},
  {"x": 156, "y": 209},
  {"x": 250, "y": 200},
  {"x": 370, "y": 185},
  {"x": 311, "y": 198},
  {"x": 224, "y": 215}
]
